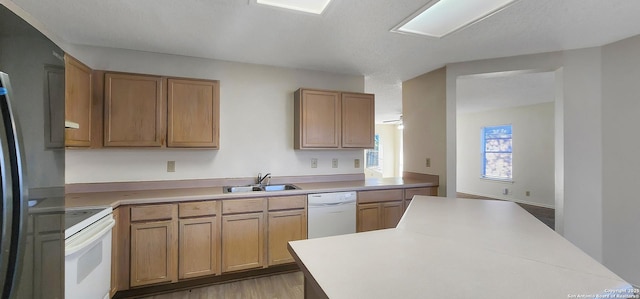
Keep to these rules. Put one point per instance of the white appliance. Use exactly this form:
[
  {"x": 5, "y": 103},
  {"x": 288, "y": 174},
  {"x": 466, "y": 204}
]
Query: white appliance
[
  {"x": 331, "y": 214},
  {"x": 87, "y": 249}
]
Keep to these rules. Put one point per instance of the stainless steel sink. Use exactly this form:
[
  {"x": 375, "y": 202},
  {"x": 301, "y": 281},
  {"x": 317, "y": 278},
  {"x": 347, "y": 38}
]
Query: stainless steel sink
[
  {"x": 253, "y": 188},
  {"x": 281, "y": 187},
  {"x": 236, "y": 189}
]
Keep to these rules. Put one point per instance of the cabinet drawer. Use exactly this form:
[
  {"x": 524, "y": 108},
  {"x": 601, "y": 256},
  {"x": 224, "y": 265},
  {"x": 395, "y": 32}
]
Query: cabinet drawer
[
  {"x": 409, "y": 193},
  {"x": 200, "y": 208},
  {"x": 287, "y": 202},
  {"x": 380, "y": 195},
  {"x": 154, "y": 212},
  {"x": 243, "y": 205},
  {"x": 49, "y": 223}
]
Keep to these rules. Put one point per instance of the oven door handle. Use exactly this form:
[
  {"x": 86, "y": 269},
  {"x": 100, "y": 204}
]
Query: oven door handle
[{"x": 85, "y": 237}]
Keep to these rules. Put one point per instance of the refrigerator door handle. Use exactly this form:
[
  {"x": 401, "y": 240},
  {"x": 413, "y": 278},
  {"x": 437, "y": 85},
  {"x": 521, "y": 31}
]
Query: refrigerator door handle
[{"x": 14, "y": 193}]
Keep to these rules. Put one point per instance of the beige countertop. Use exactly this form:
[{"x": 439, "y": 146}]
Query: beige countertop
[
  {"x": 455, "y": 248},
  {"x": 117, "y": 198}
]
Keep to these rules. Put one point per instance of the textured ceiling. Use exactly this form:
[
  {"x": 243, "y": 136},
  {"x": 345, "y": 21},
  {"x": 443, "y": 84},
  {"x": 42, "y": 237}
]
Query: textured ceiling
[{"x": 352, "y": 36}]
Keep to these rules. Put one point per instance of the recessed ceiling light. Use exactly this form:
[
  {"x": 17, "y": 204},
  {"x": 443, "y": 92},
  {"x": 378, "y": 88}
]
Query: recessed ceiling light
[
  {"x": 310, "y": 6},
  {"x": 442, "y": 17}
]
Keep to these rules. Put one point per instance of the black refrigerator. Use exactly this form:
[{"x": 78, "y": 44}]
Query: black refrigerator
[{"x": 32, "y": 161}]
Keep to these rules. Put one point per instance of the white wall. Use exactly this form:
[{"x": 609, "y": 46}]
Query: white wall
[
  {"x": 256, "y": 123},
  {"x": 424, "y": 103},
  {"x": 621, "y": 162},
  {"x": 533, "y": 154},
  {"x": 583, "y": 149}
]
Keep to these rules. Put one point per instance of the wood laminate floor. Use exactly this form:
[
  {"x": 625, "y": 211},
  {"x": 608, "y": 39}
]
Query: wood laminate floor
[{"x": 280, "y": 286}]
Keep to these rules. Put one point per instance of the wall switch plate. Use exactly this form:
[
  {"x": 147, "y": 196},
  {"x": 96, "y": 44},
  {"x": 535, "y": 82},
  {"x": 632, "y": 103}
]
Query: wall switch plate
[
  {"x": 505, "y": 191},
  {"x": 314, "y": 162},
  {"x": 428, "y": 162},
  {"x": 171, "y": 166},
  {"x": 334, "y": 163},
  {"x": 528, "y": 193},
  {"x": 356, "y": 163}
]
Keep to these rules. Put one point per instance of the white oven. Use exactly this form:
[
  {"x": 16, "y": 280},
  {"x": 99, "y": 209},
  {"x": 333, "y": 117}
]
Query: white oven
[{"x": 88, "y": 253}]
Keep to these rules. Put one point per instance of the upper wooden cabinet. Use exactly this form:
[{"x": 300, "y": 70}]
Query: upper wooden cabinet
[
  {"x": 317, "y": 119},
  {"x": 134, "y": 109},
  {"x": 78, "y": 102},
  {"x": 193, "y": 110},
  {"x": 332, "y": 119},
  {"x": 358, "y": 118}
]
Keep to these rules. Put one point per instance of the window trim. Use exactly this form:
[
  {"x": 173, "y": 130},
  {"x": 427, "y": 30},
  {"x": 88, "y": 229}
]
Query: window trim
[{"x": 483, "y": 160}]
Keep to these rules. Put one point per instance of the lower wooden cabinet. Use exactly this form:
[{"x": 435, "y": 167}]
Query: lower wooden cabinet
[
  {"x": 379, "y": 209},
  {"x": 287, "y": 221},
  {"x": 242, "y": 241},
  {"x": 154, "y": 245},
  {"x": 374, "y": 216},
  {"x": 199, "y": 247}
]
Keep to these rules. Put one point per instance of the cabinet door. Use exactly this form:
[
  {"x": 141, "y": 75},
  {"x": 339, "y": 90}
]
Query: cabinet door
[
  {"x": 285, "y": 226},
  {"x": 134, "y": 110},
  {"x": 115, "y": 245},
  {"x": 78, "y": 102},
  {"x": 154, "y": 254},
  {"x": 317, "y": 119},
  {"x": 242, "y": 241},
  {"x": 358, "y": 118},
  {"x": 48, "y": 256},
  {"x": 193, "y": 113},
  {"x": 410, "y": 192},
  {"x": 368, "y": 217},
  {"x": 391, "y": 213},
  {"x": 199, "y": 247}
]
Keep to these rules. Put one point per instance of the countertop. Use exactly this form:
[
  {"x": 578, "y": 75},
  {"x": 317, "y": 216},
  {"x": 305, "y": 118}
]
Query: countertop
[
  {"x": 117, "y": 198},
  {"x": 455, "y": 248}
]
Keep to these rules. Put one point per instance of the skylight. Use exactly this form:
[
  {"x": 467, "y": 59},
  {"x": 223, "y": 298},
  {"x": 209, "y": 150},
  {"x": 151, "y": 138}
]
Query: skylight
[
  {"x": 442, "y": 17},
  {"x": 310, "y": 6}
]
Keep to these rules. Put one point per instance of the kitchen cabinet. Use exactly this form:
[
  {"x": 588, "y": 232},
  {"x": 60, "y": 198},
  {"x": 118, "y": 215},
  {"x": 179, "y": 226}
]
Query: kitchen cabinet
[
  {"x": 332, "y": 119},
  {"x": 193, "y": 113},
  {"x": 358, "y": 118},
  {"x": 48, "y": 255},
  {"x": 154, "y": 244},
  {"x": 317, "y": 119},
  {"x": 78, "y": 102},
  {"x": 410, "y": 192},
  {"x": 243, "y": 231},
  {"x": 199, "y": 239},
  {"x": 379, "y": 209},
  {"x": 120, "y": 248},
  {"x": 287, "y": 221},
  {"x": 134, "y": 110}
]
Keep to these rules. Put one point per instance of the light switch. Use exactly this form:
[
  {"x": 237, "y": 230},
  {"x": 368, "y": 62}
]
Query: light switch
[
  {"x": 356, "y": 163},
  {"x": 171, "y": 166}
]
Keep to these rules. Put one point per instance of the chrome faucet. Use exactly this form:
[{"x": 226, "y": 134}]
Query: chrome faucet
[{"x": 260, "y": 179}]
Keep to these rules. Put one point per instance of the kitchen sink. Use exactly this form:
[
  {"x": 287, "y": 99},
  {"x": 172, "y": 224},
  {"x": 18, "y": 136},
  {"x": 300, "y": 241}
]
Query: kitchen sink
[
  {"x": 253, "y": 188},
  {"x": 281, "y": 187}
]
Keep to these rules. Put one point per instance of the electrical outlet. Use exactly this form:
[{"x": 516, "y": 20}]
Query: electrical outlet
[
  {"x": 314, "y": 162},
  {"x": 334, "y": 163},
  {"x": 171, "y": 166},
  {"x": 428, "y": 162},
  {"x": 528, "y": 193},
  {"x": 356, "y": 163},
  {"x": 505, "y": 191}
]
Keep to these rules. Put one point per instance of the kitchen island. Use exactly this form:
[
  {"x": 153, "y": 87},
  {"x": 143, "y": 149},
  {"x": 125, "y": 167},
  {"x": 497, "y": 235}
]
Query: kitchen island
[{"x": 455, "y": 248}]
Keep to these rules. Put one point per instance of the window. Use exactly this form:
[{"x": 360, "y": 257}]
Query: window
[
  {"x": 497, "y": 152},
  {"x": 373, "y": 156}
]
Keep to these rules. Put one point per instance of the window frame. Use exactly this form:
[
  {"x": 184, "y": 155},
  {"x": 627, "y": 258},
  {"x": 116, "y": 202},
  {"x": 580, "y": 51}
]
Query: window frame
[{"x": 483, "y": 151}]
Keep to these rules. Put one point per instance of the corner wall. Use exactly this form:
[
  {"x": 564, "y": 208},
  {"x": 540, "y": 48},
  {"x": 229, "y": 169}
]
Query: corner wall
[
  {"x": 424, "y": 102},
  {"x": 256, "y": 123}
]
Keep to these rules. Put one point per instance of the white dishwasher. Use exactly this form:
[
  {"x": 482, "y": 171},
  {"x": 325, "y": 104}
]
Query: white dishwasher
[{"x": 331, "y": 214}]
